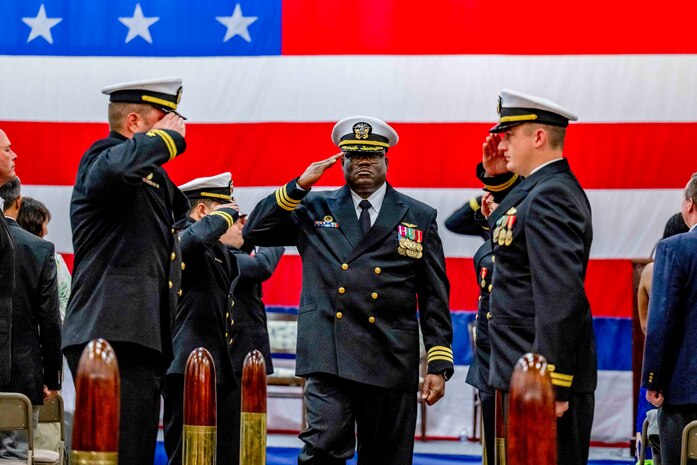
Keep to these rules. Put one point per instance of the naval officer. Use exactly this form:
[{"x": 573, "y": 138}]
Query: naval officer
[
  {"x": 370, "y": 256},
  {"x": 127, "y": 263},
  {"x": 541, "y": 238}
]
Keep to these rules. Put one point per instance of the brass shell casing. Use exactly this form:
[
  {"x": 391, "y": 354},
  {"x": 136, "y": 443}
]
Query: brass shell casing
[
  {"x": 253, "y": 439},
  {"x": 199, "y": 445}
]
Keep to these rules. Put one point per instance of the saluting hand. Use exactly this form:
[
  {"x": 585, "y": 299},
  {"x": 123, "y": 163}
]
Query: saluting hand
[
  {"x": 173, "y": 122},
  {"x": 315, "y": 171},
  {"x": 232, "y": 205},
  {"x": 492, "y": 158},
  {"x": 433, "y": 389}
]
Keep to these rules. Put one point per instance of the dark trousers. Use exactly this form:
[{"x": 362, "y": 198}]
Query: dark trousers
[
  {"x": 488, "y": 400},
  {"x": 173, "y": 418},
  {"x": 672, "y": 419},
  {"x": 230, "y": 422},
  {"x": 339, "y": 410},
  {"x": 573, "y": 429},
  {"x": 140, "y": 370}
]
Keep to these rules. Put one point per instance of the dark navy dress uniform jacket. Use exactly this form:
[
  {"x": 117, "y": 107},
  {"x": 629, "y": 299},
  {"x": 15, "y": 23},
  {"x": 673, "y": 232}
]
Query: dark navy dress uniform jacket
[
  {"x": 358, "y": 310},
  {"x": 538, "y": 301},
  {"x": 127, "y": 270},
  {"x": 205, "y": 313}
]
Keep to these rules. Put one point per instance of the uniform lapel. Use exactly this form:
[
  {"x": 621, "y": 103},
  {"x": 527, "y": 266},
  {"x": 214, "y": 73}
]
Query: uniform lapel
[
  {"x": 522, "y": 189},
  {"x": 344, "y": 213},
  {"x": 391, "y": 212}
]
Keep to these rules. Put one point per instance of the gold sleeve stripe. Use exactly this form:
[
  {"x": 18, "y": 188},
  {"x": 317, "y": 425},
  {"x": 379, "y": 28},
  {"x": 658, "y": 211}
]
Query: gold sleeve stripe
[
  {"x": 560, "y": 383},
  {"x": 286, "y": 197},
  {"x": 281, "y": 203},
  {"x": 440, "y": 352},
  {"x": 443, "y": 348},
  {"x": 500, "y": 187},
  {"x": 169, "y": 142},
  {"x": 440, "y": 357},
  {"x": 224, "y": 215},
  {"x": 561, "y": 377},
  {"x": 474, "y": 205}
]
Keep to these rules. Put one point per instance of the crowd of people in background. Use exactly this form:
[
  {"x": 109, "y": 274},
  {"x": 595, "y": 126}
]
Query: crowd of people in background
[{"x": 162, "y": 269}]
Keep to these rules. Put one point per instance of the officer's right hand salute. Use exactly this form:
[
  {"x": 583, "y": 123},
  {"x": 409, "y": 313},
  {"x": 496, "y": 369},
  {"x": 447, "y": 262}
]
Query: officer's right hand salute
[
  {"x": 315, "y": 171},
  {"x": 493, "y": 159},
  {"x": 173, "y": 122}
]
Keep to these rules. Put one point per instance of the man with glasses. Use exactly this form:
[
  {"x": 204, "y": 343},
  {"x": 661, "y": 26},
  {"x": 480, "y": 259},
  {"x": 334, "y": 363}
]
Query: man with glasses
[{"x": 370, "y": 255}]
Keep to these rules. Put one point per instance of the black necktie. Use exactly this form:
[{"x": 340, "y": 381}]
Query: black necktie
[{"x": 364, "y": 218}]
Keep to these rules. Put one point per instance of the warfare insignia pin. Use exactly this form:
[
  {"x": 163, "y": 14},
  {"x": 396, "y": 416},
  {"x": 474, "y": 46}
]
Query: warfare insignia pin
[{"x": 327, "y": 222}]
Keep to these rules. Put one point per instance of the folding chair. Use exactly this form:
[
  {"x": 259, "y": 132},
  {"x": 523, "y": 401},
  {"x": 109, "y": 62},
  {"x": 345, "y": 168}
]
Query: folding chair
[
  {"x": 689, "y": 443},
  {"x": 283, "y": 329},
  {"x": 16, "y": 415},
  {"x": 51, "y": 416}
]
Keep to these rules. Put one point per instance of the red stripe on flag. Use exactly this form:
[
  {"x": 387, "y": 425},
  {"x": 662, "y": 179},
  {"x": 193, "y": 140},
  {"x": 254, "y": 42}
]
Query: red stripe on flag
[
  {"x": 603, "y": 156},
  {"x": 608, "y": 285},
  {"x": 363, "y": 27}
]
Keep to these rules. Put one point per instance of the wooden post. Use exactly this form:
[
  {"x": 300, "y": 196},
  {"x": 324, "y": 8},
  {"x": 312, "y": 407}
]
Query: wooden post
[
  {"x": 97, "y": 406},
  {"x": 200, "y": 425},
  {"x": 499, "y": 430},
  {"x": 532, "y": 420},
  {"x": 253, "y": 418}
]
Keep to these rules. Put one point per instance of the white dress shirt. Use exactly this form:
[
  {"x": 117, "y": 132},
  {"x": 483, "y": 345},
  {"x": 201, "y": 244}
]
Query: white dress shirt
[
  {"x": 375, "y": 200},
  {"x": 545, "y": 164}
]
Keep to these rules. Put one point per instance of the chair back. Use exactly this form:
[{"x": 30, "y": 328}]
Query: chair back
[
  {"x": 283, "y": 332},
  {"x": 49, "y": 442},
  {"x": 689, "y": 443},
  {"x": 16, "y": 415}
]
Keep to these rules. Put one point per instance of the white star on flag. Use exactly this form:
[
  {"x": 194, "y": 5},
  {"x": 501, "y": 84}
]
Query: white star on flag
[
  {"x": 236, "y": 24},
  {"x": 41, "y": 25},
  {"x": 138, "y": 25}
]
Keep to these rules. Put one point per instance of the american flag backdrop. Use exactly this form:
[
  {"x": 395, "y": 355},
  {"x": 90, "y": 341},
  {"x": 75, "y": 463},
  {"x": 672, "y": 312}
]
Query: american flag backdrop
[{"x": 264, "y": 81}]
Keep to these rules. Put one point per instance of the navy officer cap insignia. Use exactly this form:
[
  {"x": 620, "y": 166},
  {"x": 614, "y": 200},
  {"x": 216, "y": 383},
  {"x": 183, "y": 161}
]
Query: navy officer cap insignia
[
  {"x": 164, "y": 94},
  {"x": 516, "y": 108},
  {"x": 218, "y": 187},
  {"x": 363, "y": 134}
]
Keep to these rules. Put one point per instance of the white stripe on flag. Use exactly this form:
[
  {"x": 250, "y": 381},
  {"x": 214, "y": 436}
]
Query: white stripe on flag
[{"x": 450, "y": 88}]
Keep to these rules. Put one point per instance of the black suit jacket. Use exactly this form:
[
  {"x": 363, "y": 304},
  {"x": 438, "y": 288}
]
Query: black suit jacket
[
  {"x": 205, "y": 312},
  {"x": 670, "y": 365},
  {"x": 36, "y": 330},
  {"x": 538, "y": 302},
  {"x": 358, "y": 310},
  {"x": 127, "y": 267},
  {"x": 7, "y": 284},
  {"x": 249, "y": 331}
]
